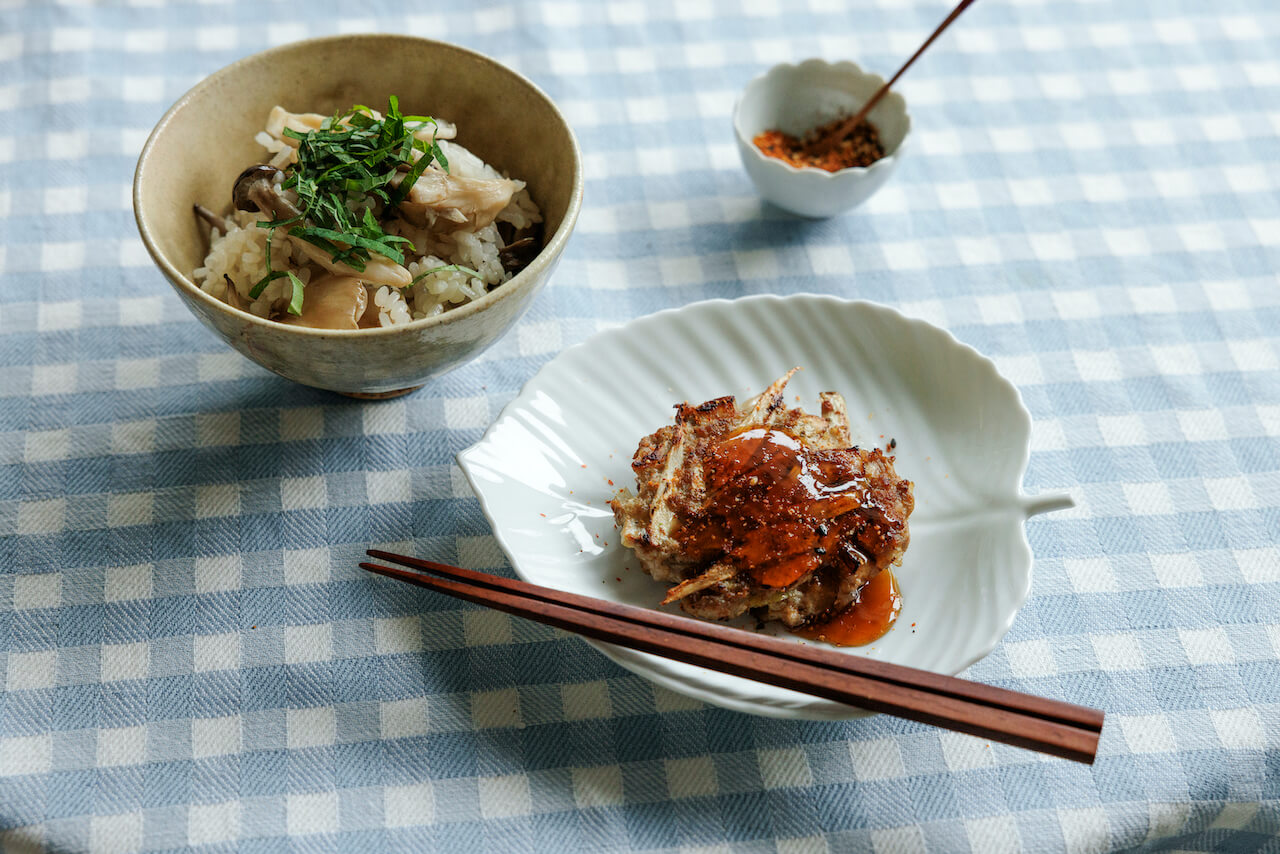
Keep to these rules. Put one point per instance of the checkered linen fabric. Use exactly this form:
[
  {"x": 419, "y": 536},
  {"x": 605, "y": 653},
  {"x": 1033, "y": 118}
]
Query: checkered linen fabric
[{"x": 190, "y": 657}]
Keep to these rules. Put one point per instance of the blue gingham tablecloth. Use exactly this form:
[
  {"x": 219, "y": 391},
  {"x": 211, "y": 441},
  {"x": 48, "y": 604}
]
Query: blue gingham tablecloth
[{"x": 190, "y": 657}]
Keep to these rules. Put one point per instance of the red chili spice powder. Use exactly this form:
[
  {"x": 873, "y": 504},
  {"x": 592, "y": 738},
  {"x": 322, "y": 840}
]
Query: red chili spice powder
[{"x": 862, "y": 147}]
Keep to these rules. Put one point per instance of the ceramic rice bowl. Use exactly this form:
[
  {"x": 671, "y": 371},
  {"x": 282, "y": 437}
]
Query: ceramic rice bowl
[{"x": 207, "y": 138}]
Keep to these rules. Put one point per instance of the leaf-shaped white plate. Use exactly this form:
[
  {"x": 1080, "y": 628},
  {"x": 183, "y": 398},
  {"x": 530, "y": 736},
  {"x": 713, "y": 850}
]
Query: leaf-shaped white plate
[{"x": 546, "y": 469}]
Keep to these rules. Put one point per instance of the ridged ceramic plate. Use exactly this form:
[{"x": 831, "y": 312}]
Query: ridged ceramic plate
[{"x": 546, "y": 469}]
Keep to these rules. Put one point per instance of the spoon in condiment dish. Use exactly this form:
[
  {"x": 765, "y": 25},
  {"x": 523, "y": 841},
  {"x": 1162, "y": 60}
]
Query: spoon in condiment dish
[{"x": 821, "y": 145}]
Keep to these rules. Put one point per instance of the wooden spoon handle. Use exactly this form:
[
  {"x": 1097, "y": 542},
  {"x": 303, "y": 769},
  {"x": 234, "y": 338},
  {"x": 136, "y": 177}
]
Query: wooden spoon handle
[{"x": 826, "y": 143}]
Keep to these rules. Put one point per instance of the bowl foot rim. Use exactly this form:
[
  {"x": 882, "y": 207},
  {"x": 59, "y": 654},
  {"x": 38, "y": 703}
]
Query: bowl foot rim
[{"x": 379, "y": 395}]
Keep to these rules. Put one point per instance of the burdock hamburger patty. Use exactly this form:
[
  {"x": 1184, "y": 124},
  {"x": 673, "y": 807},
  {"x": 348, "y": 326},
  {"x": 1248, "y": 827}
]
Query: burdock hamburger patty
[{"x": 763, "y": 508}]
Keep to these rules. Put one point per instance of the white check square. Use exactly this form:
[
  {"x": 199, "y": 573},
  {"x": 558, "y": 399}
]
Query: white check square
[
  {"x": 1077, "y": 305},
  {"x": 313, "y": 813},
  {"x": 1179, "y": 569},
  {"x": 1207, "y": 646},
  {"x": 494, "y": 709},
  {"x": 692, "y": 777},
  {"x": 1031, "y": 658},
  {"x": 393, "y": 635},
  {"x": 404, "y": 718},
  {"x": 878, "y": 759},
  {"x": 409, "y": 806},
  {"x": 304, "y": 423},
  {"x": 53, "y": 379},
  {"x": 1118, "y": 652},
  {"x": 122, "y": 661},
  {"x": 123, "y": 583},
  {"x": 37, "y": 591},
  {"x": 42, "y": 517},
  {"x": 586, "y": 700},
  {"x": 1148, "y": 733},
  {"x": 215, "y": 736},
  {"x": 28, "y": 671},
  {"x": 300, "y": 493},
  {"x": 466, "y": 413},
  {"x": 219, "y": 499},
  {"x": 485, "y": 628},
  {"x": 1258, "y": 566},
  {"x": 1148, "y": 499},
  {"x": 122, "y": 746},
  {"x": 505, "y": 796},
  {"x": 137, "y": 373},
  {"x": 1230, "y": 493},
  {"x": 66, "y": 200},
  {"x": 209, "y": 824},
  {"x": 1122, "y": 430},
  {"x": 387, "y": 417},
  {"x": 315, "y": 727},
  {"x": 899, "y": 840},
  {"x": 116, "y": 834},
  {"x": 307, "y": 566},
  {"x": 785, "y": 767},
  {"x": 218, "y": 573},
  {"x": 964, "y": 752},
  {"x": 600, "y": 786},
  {"x": 216, "y": 652},
  {"x": 997, "y": 834},
  {"x": 1002, "y": 308},
  {"x": 308, "y": 643},
  {"x": 1090, "y": 575},
  {"x": 1086, "y": 829},
  {"x": 130, "y": 508},
  {"x": 533, "y": 339},
  {"x": 217, "y": 428},
  {"x": 385, "y": 487},
  {"x": 1239, "y": 729},
  {"x": 133, "y": 437},
  {"x": 216, "y": 367},
  {"x": 28, "y": 754}
]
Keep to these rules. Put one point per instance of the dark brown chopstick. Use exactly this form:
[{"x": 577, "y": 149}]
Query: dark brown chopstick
[
  {"x": 900, "y": 674},
  {"x": 1036, "y": 723}
]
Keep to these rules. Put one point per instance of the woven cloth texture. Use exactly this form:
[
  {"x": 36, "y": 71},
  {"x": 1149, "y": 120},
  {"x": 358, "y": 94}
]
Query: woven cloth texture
[{"x": 189, "y": 656}]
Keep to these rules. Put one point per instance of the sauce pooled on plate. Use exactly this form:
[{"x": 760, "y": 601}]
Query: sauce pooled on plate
[
  {"x": 780, "y": 510},
  {"x": 868, "y": 619}
]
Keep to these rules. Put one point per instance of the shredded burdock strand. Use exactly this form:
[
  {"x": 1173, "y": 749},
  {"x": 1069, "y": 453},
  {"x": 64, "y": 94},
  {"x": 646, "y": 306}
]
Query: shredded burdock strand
[{"x": 862, "y": 147}]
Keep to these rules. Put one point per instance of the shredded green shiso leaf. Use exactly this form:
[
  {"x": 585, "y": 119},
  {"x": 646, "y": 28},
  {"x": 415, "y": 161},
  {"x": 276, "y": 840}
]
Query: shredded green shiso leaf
[{"x": 345, "y": 169}]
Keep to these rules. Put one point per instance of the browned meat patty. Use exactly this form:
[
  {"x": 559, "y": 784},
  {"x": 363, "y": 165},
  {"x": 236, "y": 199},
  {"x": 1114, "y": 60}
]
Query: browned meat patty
[{"x": 763, "y": 508}]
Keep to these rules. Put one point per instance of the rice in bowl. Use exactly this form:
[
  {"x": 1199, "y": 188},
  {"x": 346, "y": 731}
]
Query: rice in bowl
[{"x": 370, "y": 253}]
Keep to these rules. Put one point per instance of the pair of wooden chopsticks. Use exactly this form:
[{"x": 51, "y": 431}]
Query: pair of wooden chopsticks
[{"x": 1036, "y": 723}]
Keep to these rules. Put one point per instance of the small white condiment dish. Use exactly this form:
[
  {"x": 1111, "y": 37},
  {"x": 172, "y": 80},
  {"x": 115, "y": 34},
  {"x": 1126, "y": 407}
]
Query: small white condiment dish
[{"x": 797, "y": 98}]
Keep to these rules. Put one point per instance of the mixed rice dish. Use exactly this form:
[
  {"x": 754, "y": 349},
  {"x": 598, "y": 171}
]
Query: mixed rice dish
[{"x": 361, "y": 220}]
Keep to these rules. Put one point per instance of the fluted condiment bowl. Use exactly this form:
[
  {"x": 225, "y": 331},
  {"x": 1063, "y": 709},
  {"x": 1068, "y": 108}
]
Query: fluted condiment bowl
[{"x": 797, "y": 98}]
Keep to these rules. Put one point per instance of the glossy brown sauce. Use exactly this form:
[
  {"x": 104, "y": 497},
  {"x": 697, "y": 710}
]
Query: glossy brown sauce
[
  {"x": 779, "y": 510},
  {"x": 870, "y": 616}
]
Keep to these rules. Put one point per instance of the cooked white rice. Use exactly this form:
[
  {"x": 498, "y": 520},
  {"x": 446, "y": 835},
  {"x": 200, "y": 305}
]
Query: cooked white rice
[{"x": 240, "y": 254}]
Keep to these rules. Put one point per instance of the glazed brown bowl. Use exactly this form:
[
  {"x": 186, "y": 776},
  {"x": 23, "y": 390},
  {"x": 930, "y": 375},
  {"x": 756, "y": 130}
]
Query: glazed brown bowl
[{"x": 206, "y": 139}]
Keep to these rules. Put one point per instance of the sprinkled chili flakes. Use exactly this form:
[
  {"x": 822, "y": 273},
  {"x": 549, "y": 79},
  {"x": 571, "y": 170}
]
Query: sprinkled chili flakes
[{"x": 862, "y": 147}]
